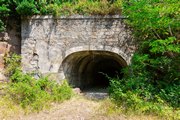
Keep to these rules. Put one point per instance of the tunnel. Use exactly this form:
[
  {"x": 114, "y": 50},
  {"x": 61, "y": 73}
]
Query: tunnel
[{"x": 91, "y": 69}]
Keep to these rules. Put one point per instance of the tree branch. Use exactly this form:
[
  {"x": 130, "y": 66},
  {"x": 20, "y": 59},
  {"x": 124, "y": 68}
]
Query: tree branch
[
  {"x": 170, "y": 31},
  {"x": 156, "y": 34}
]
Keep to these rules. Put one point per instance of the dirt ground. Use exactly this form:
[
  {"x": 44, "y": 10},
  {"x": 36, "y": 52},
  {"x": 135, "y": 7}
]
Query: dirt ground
[{"x": 77, "y": 108}]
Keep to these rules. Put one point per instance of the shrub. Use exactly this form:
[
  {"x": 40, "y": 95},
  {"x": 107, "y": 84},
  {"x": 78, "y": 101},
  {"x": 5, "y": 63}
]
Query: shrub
[
  {"x": 103, "y": 7},
  {"x": 36, "y": 94},
  {"x": 116, "y": 8},
  {"x": 137, "y": 100},
  {"x": 151, "y": 83},
  {"x": 4, "y": 11},
  {"x": 154, "y": 69},
  {"x": 66, "y": 9},
  {"x": 171, "y": 94},
  {"x": 62, "y": 92},
  {"x": 12, "y": 63},
  {"x": 2, "y": 27},
  {"x": 27, "y": 8},
  {"x": 31, "y": 93},
  {"x": 52, "y": 9},
  {"x": 28, "y": 95},
  {"x": 17, "y": 8}
]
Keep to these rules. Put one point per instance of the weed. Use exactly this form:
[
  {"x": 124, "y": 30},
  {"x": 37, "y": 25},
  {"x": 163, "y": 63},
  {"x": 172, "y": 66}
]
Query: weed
[{"x": 31, "y": 93}]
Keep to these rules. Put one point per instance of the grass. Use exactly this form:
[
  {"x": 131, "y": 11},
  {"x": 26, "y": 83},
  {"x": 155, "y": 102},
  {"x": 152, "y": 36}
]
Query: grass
[
  {"x": 110, "y": 110},
  {"x": 78, "y": 105},
  {"x": 56, "y": 8},
  {"x": 9, "y": 109}
]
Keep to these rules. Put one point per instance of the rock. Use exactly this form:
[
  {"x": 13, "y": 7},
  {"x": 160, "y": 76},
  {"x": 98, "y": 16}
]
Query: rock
[
  {"x": 4, "y": 36},
  {"x": 77, "y": 90},
  {"x": 2, "y": 77}
]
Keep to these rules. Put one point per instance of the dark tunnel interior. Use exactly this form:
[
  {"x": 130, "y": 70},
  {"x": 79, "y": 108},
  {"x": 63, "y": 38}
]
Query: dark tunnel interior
[
  {"x": 89, "y": 69},
  {"x": 105, "y": 68}
]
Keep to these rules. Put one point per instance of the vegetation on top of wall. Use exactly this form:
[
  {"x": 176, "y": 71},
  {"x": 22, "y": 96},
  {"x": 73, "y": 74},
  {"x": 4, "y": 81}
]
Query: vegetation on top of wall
[
  {"x": 57, "y": 8},
  {"x": 151, "y": 84}
]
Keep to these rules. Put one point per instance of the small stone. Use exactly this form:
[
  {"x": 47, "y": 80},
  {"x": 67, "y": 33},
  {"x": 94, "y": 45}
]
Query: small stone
[
  {"x": 2, "y": 77},
  {"x": 77, "y": 90},
  {"x": 4, "y": 36}
]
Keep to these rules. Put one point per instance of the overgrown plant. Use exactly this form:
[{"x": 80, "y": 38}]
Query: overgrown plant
[
  {"x": 12, "y": 63},
  {"x": 151, "y": 84},
  {"x": 27, "y": 8},
  {"x": 31, "y": 93},
  {"x": 159, "y": 45},
  {"x": 140, "y": 101},
  {"x": 18, "y": 8}
]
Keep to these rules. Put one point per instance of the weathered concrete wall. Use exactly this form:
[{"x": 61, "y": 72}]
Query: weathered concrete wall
[{"x": 47, "y": 41}]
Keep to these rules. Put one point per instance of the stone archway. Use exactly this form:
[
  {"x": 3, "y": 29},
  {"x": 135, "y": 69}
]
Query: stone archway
[
  {"x": 77, "y": 48},
  {"x": 87, "y": 69}
]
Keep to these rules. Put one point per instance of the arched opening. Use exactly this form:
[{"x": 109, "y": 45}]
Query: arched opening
[{"x": 89, "y": 69}]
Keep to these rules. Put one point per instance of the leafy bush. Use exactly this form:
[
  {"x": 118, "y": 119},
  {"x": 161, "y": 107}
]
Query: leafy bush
[
  {"x": 12, "y": 63},
  {"x": 57, "y": 8},
  {"x": 36, "y": 94},
  {"x": 32, "y": 93},
  {"x": 27, "y": 8},
  {"x": 142, "y": 100},
  {"x": 152, "y": 19},
  {"x": 2, "y": 26},
  {"x": 66, "y": 9},
  {"x": 103, "y": 7},
  {"x": 28, "y": 95},
  {"x": 4, "y": 11},
  {"x": 62, "y": 92},
  {"x": 171, "y": 94},
  {"x": 151, "y": 83}
]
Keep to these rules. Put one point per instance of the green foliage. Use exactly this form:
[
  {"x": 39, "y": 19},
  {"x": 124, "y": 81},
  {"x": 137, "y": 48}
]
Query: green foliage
[
  {"x": 4, "y": 12},
  {"x": 153, "y": 19},
  {"x": 166, "y": 45},
  {"x": 151, "y": 83},
  {"x": 149, "y": 77},
  {"x": 32, "y": 93},
  {"x": 27, "y": 95},
  {"x": 57, "y": 8},
  {"x": 27, "y": 8},
  {"x": 52, "y": 9},
  {"x": 141, "y": 97},
  {"x": 61, "y": 93},
  {"x": 12, "y": 63},
  {"x": 103, "y": 7},
  {"x": 2, "y": 26},
  {"x": 83, "y": 7}
]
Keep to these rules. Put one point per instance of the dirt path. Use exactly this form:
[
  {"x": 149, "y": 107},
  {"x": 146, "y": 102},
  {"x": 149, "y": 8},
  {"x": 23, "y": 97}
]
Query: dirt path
[
  {"x": 78, "y": 108},
  {"x": 74, "y": 109}
]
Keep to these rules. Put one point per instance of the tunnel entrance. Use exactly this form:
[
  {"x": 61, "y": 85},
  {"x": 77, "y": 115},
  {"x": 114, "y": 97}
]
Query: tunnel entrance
[{"x": 89, "y": 69}]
